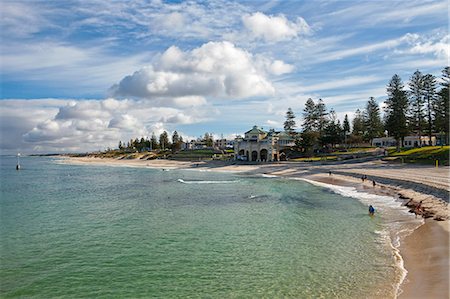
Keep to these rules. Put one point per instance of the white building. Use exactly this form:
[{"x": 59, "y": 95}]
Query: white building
[
  {"x": 259, "y": 145},
  {"x": 409, "y": 141},
  {"x": 194, "y": 145}
]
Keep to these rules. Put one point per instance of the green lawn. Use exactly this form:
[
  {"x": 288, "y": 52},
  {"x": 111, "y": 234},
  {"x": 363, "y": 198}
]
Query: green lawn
[
  {"x": 315, "y": 159},
  {"x": 426, "y": 154},
  {"x": 195, "y": 155},
  {"x": 355, "y": 150}
]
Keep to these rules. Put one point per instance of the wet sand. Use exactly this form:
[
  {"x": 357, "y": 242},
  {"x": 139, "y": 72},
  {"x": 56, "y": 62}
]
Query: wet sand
[{"x": 426, "y": 256}]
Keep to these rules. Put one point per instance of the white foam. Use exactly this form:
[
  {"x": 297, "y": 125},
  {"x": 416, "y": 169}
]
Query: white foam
[
  {"x": 206, "y": 182},
  {"x": 264, "y": 175},
  {"x": 380, "y": 202}
]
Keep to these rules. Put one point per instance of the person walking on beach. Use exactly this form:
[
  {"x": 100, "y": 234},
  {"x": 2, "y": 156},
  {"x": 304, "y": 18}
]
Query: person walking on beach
[
  {"x": 418, "y": 209},
  {"x": 371, "y": 210},
  {"x": 373, "y": 183}
]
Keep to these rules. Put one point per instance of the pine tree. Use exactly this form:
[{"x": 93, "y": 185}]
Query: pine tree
[
  {"x": 396, "y": 108},
  {"x": 289, "y": 124},
  {"x": 372, "y": 119},
  {"x": 416, "y": 101},
  {"x": 308, "y": 140},
  {"x": 429, "y": 93},
  {"x": 309, "y": 116},
  {"x": 164, "y": 140},
  {"x": 176, "y": 144},
  {"x": 442, "y": 106},
  {"x": 346, "y": 128},
  {"x": 154, "y": 142},
  {"x": 332, "y": 131},
  {"x": 358, "y": 123},
  {"x": 208, "y": 139},
  {"x": 321, "y": 116}
]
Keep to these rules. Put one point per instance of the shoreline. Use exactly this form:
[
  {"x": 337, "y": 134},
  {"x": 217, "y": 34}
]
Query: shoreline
[{"x": 429, "y": 241}]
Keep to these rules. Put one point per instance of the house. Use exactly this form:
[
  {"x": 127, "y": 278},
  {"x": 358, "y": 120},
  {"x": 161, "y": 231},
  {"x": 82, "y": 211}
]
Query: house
[
  {"x": 409, "y": 141},
  {"x": 384, "y": 142},
  {"x": 194, "y": 145},
  {"x": 223, "y": 144},
  {"x": 415, "y": 141},
  {"x": 260, "y": 145}
]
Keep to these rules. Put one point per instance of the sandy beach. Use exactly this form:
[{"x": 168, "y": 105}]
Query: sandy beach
[{"x": 425, "y": 251}]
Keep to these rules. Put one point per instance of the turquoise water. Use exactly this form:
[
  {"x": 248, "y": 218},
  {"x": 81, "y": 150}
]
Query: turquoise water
[{"x": 98, "y": 231}]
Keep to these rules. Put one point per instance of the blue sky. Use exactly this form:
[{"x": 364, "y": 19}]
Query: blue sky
[{"x": 82, "y": 75}]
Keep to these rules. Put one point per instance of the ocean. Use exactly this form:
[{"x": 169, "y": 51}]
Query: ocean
[{"x": 89, "y": 231}]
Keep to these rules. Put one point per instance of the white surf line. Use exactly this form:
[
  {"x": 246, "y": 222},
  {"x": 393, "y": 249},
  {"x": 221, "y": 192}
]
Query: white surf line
[{"x": 207, "y": 182}]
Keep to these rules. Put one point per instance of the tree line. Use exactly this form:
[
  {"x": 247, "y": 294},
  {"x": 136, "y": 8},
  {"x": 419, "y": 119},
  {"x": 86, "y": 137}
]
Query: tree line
[
  {"x": 161, "y": 142},
  {"x": 422, "y": 110}
]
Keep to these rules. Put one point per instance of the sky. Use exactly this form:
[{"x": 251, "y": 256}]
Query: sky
[{"x": 79, "y": 76}]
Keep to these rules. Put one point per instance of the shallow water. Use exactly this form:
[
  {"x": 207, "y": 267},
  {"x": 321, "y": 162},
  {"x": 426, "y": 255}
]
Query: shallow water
[{"x": 98, "y": 231}]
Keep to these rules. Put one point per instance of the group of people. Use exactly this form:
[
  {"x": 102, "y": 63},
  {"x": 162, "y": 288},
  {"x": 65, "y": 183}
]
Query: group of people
[{"x": 364, "y": 178}]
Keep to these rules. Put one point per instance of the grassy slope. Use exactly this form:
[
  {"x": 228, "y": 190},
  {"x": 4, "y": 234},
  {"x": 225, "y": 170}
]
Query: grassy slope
[{"x": 427, "y": 154}]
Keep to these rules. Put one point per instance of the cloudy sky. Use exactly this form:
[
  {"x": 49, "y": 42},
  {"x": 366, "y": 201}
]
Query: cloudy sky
[{"x": 82, "y": 75}]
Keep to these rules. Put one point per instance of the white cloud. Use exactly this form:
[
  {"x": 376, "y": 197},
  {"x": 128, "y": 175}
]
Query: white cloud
[
  {"x": 183, "y": 20},
  {"x": 408, "y": 12},
  {"x": 275, "y": 67},
  {"x": 409, "y": 43},
  {"x": 158, "y": 128},
  {"x": 341, "y": 83},
  {"x": 374, "y": 13},
  {"x": 17, "y": 117},
  {"x": 189, "y": 101},
  {"x": 215, "y": 69},
  {"x": 278, "y": 67},
  {"x": 179, "y": 118},
  {"x": 274, "y": 28},
  {"x": 22, "y": 19},
  {"x": 124, "y": 122},
  {"x": 439, "y": 48},
  {"x": 274, "y": 123},
  {"x": 174, "y": 20},
  {"x": 84, "y": 125},
  {"x": 62, "y": 62},
  {"x": 82, "y": 110},
  {"x": 79, "y": 125}
]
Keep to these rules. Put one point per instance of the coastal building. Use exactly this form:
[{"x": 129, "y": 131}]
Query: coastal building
[
  {"x": 384, "y": 141},
  {"x": 224, "y": 144},
  {"x": 260, "y": 145},
  {"x": 409, "y": 141},
  {"x": 194, "y": 145}
]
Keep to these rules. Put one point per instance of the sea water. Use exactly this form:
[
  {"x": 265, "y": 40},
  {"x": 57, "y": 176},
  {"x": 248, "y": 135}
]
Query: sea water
[{"x": 101, "y": 231}]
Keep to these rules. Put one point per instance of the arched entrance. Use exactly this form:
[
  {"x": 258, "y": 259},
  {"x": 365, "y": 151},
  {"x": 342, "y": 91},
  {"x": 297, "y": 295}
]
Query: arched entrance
[
  {"x": 254, "y": 155},
  {"x": 263, "y": 154}
]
